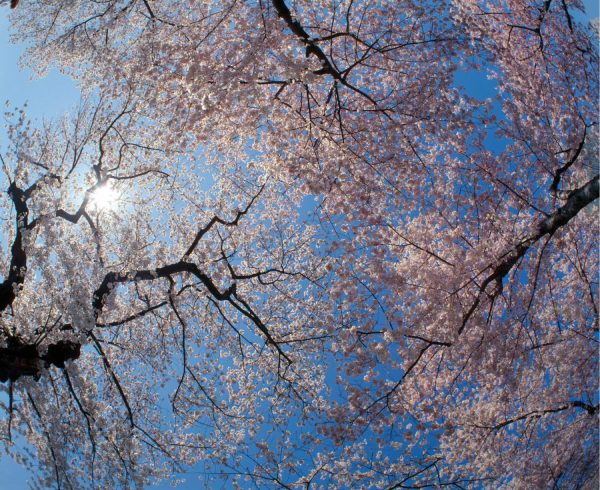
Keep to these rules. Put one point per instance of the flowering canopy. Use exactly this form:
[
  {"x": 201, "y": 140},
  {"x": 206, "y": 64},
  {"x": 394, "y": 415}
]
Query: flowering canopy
[{"x": 329, "y": 262}]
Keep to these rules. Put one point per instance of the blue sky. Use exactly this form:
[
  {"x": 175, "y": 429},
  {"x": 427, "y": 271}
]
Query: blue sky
[{"x": 49, "y": 98}]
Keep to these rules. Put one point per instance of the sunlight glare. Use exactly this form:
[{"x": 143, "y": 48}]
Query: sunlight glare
[{"x": 104, "y": 197}]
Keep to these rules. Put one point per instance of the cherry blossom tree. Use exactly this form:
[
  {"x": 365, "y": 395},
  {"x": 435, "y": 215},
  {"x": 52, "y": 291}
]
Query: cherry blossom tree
[{"x": 328, "y": 260}]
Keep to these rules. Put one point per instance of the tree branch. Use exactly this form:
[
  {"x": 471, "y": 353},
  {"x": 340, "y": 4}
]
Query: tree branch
[{"x": 577, "y": 200}]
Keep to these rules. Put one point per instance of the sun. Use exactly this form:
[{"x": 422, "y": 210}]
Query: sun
[{"x": 104, "y": 197}]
